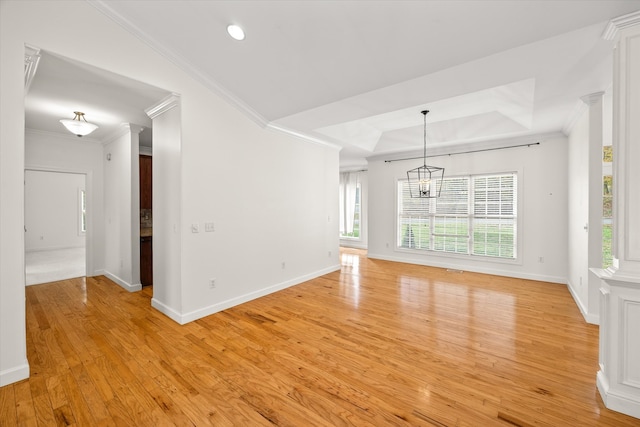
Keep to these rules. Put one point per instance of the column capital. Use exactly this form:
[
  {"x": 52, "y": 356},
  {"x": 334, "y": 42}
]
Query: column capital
[{"x": 592, "y": 98}]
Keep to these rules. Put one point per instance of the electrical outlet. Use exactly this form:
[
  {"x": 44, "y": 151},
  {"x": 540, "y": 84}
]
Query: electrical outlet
[
  {"x": 209, "y": 227},
  {"x": 212, "y": 283}
]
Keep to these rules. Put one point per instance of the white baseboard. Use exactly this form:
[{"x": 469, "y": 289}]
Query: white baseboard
[
  {"x": 183, "y": 318},
  {"x": 628, "y": 405},
  {"x": 589, "y": 318},
  {"x": 13, "y": 375},
  {"x": 167, "y": 311},
  {"x": 128, "y": 286},
  {"x": 353, "y": 244},
  {"x": 474, "y": 269}
]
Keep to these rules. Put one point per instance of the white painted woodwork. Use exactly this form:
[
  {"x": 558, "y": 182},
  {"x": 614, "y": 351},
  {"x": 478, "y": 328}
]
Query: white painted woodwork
[
  {"x": 619, "y": 376},
  {"x": 167, "y": 228}
]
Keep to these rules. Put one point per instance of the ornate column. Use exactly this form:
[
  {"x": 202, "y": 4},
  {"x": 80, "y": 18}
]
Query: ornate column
[{"x": 619, "y": 376}]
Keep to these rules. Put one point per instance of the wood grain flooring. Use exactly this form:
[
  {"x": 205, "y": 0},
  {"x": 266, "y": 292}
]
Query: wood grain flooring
[{"x": 375, "y": 344}]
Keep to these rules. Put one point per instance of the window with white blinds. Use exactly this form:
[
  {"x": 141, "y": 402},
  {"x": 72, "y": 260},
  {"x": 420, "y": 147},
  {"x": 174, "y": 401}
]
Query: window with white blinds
[{"x": 474, "y": 215}]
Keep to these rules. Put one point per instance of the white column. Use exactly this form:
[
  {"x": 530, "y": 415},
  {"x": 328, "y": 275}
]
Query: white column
[
  {"x": 167, "y": 203},
  {"x": 619, "y": 376},
  {"x": 594, "y": 102}
]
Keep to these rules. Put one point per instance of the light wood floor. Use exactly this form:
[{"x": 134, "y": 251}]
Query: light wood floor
[{"x": 375, "y": 344}]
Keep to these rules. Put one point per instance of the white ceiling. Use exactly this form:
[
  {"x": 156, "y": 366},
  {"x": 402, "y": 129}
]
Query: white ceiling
[
  {"x": 358, "y": 73},
  {"x": 61, "y": 86}
]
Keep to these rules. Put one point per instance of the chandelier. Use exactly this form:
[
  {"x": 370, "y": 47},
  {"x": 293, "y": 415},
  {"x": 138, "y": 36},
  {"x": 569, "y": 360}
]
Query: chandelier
[
  {"x": 425, "y": 182},
  {"x": 79, "y": 126}
]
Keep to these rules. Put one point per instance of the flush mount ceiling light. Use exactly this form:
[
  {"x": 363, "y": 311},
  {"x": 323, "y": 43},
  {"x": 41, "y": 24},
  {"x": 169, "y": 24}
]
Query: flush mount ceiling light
[
  {"x": 236, "y": 32},
  {"x": 425, "y": 182},
  {"x": 79, "y": 126}
]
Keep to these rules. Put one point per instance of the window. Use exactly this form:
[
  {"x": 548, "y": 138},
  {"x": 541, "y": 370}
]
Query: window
[
  {"x": 82, "y": 202},
  {"x": 474, "y": 215},
  {"x": 607, "y": 207},
  {"x": 350, "y": 205}
]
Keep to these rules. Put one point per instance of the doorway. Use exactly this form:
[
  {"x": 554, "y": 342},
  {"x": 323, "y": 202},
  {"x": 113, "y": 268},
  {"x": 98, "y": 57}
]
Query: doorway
[{"x": 55, "y": 226}]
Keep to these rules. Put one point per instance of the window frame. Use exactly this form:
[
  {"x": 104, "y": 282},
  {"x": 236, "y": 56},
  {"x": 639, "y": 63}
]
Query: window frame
[
  {"x": 357, "y": 212},
  {"x": 518, "y": 221},
  {"x": 82, "y": 212}
]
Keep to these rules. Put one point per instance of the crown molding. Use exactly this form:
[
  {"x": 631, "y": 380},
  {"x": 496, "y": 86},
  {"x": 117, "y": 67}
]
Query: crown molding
[
  {"x": 163, "y": 106},
  {"x": 302, "y": 136},
  {"x": 620, "y": 23},
  {"x": 182, "y": 63},
  {"x": 31, "y": 61}
]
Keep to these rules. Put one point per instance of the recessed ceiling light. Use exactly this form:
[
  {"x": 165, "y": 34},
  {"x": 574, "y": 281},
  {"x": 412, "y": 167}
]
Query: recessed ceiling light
[{"x": 235, "y": 32}]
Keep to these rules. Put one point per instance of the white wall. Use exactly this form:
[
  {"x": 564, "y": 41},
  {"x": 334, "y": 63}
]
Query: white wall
[
  {"x": 272, "y": 196},
  {"x": 542, "y": 225},
  {"x": 52, "y": 210},
  {"x": 54, "y": 152},
  {"x": 122, "y": 204}
]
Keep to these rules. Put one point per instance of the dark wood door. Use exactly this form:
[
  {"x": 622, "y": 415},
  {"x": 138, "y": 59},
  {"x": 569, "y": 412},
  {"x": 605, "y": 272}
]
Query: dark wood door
[
  {"x": 146, "y": 261},
  {"x": 145, "y": 182}
]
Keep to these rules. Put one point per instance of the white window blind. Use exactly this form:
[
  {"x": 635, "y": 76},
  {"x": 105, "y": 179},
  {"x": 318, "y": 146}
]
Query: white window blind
[
  {"x": 494, "y": 219},
  {"x": 474, "y": 215}
]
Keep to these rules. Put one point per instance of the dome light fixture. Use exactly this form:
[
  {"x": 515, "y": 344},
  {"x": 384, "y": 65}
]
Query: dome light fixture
[
  {"x": 425, "y": 182},
  {"x": 236, "y": 32},
  {"x": 79, "y": 126}
]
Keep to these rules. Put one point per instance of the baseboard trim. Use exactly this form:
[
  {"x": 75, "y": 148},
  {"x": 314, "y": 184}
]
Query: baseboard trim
[
  {"x": 589, "y": 318},
  {"x": 13, "y": 375},
  {"x": 167, "y": 311},
  {"x": 183, "y": 318},
  {"x": 353, "y": 244},
  {"x": 124, "y": 284},
  {"x": 492, "y": 271},
  {"x": 615, "y": 401}
]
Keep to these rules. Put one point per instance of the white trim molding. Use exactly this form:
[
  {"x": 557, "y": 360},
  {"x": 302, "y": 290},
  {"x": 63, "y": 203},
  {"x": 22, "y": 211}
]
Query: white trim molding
[
  {"x": 620, "y": 23},
  {"x": 123, "y": 283},
  {"x": 303, "y": 136},
  {"x": 163, "y": 106},
  {"x": 31, "y": 61},
  {"x": 13, "y": 375}
]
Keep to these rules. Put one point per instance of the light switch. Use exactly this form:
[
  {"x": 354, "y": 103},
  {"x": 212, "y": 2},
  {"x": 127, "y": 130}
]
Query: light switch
[
  {"x": 195, "y": 228},
  {"x": 209, "y": 227}
]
